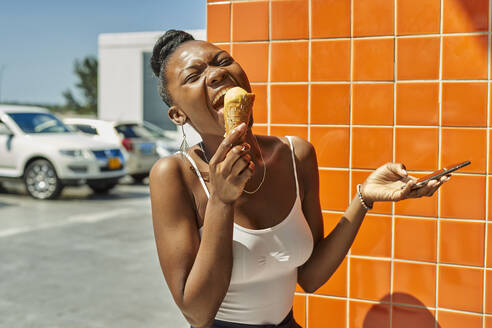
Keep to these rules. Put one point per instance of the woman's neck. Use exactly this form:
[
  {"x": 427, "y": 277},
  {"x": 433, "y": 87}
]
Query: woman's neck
[{"x": 211, "y": 143}]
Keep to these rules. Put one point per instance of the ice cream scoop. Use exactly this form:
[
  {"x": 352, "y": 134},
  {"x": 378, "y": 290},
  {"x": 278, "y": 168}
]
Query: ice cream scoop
[{"x": 238, "y": 104}]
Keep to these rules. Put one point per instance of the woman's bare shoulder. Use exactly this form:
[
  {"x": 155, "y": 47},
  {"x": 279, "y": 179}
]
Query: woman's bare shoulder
[{"x": 303, "y": 149}]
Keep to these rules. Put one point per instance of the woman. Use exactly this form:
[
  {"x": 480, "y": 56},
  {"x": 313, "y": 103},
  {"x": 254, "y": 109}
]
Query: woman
[{"x": 237, "y": 220}]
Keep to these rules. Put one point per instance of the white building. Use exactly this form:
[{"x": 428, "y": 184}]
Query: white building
[{"x": 127, "y": 87}]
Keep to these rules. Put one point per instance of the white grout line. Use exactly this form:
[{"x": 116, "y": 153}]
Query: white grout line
[
  {"x": 484, "y": 285},
  {"x": 438, "y": 232},
  {"x": 395, "y": 78},
  {"x": 269, "y": 82},
  {"x": 351, "y": 114},
  {"x": 309, "y": 70},
  {"x": 362, "y": 81}
]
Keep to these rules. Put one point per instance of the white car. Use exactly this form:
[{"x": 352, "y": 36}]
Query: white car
[
  {"x": 138, "y": 142},
  {"x": 38, "y": 148}
]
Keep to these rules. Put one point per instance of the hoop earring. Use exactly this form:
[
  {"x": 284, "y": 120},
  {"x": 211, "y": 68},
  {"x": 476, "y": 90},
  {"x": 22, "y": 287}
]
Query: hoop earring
[{"x": 184, "y": 145}]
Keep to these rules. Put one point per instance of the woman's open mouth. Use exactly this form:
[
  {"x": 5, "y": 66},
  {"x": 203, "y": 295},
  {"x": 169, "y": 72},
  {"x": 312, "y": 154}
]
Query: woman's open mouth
[{"x": 218, "y": 101}]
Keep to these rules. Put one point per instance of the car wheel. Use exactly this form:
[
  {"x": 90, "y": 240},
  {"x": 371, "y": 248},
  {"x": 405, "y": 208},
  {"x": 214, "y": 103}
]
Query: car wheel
[
  {"x": 41, "y": 180},
  {"x": 102, "y": 188},
  {"x": 2, "y": 189},
  {"x": 139, "y": 177}
]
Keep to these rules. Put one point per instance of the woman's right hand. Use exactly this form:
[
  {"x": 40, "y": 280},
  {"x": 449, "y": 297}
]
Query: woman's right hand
[{"x": 231, "y": 166}]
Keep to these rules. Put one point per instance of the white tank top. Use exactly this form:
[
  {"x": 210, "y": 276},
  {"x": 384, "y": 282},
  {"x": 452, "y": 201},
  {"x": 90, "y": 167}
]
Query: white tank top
[{"x": 265, "y": 261}]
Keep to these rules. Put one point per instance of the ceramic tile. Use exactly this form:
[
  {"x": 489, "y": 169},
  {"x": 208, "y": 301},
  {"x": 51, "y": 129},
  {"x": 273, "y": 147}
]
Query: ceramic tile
[
  {"x": 219, "y": 22},
  {"x": 449, "y": 319},
  {"x": 464, "y": 197},
  {"x": 460, "y": 289},
  {"x": 414, "y": 283},
  {"x": 488, "y": 292},
  {"x": 337, "y": 284},
  {"x": 253, "y": 58},
  {"x": 371, "y": 147},
  {"x": 358, "y": 177},
  {"x": 282, "y": 130},
  {"x": 373, "y": 59},
  {"x": 330, "y": 60},
  {"x": 415, "y": 239},
  {"x": 330, "y": 220},
  {"x": 289, "y": 61},
  {"x": 376, "y": 271},
  {"x": 283, "y": 26},
  {"x": 326, "y": 312},
  {"x": 330, "y": 18},
  {"x": 373, "y": 17},
  {"x": 333, "y": 185},
  {"x": 474, "y": 146},
  {"x": 417, "y": 148},
  {"x": 224, "y": 46},
  {"x": 330, "y": 103},
  {"x": 425, "y": 206},
  {"x": 299, "y": 309},
  {"x": 289, "y": 103},
  {"x": 418, "y": 16},
  {"x": 373, "y": 103},
  {"x": 418, "y": 58},
  {"x": 488, "y": 321},
  {"x": 410, "y": 317},
  {"x": 369, "y": 315},
  {"x": 489, "y": 241},
  {"x": 465, "y": 57},
  {"x": 465, "y": 16},
  {"x": 244, "y": 13},
  {"x": 374, "y": 237},
  {"x": 417, "y": 103},
  {"x": 299, "y": 289},
  {"x": 332, "y": 145},
  {"x": 454, "y": 236},
  {"x": 261, "y": 130},
  {"x": 260, "y": 107},
  {"x": 464, "y": 104}
]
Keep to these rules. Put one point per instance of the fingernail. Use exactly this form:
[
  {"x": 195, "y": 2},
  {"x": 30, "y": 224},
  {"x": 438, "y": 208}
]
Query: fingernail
[{"x": 405, "y": 172}]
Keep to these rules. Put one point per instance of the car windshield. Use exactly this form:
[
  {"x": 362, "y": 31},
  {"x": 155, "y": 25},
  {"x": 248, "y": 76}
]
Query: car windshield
[
  {"x": 156, "y": 131},
  {"x": 134, "y": 131},
  {"x": 39, "y": 123}
]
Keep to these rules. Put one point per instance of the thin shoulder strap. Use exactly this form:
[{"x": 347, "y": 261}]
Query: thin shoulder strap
[
  {"x": 197, "y": 172},
  {"x": 293, "y": 163}
]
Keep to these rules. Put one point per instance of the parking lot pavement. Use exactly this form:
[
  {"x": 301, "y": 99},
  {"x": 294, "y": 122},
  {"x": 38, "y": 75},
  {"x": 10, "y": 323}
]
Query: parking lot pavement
[{"x": 81, "y": 261}]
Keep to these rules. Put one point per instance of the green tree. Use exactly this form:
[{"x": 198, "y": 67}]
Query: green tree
[{"x": 86, "y": 71}]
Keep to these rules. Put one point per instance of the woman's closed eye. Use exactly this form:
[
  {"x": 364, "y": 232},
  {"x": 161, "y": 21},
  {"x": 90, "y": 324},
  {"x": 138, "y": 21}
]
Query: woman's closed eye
[
  {"x": 225, "y": 61},
  {"x": 191, "y": 78}
]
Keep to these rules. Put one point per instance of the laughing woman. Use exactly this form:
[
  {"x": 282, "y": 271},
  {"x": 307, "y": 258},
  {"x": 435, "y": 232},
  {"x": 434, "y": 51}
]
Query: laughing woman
[{"x": 237, "y": 220}]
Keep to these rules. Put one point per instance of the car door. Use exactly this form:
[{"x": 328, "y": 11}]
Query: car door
[{"x": 7, "y": 151}]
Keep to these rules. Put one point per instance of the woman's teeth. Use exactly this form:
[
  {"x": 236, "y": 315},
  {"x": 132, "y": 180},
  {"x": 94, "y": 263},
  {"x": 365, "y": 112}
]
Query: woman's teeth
[{"x": 219, "y": 95}]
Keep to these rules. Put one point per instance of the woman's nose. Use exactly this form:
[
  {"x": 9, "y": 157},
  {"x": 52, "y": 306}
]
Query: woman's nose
[{"x": 216, "y": 75}]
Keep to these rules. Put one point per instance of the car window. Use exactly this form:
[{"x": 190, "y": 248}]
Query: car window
[
  {"x": 86, "y": 128},
  {"x": 39, "y": 123},
  {"x": 133, "y": 131}
]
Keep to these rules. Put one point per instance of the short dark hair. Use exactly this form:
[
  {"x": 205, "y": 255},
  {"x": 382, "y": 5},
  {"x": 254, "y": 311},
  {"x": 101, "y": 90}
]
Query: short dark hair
[{"x": 163, "y": 49}]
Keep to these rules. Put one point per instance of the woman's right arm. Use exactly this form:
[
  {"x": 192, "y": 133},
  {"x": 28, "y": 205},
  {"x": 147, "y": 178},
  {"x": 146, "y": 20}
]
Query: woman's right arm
[{"x": 197, "y": 271}]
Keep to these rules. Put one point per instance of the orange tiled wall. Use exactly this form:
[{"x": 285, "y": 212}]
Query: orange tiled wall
[{"x": 372, "y": 81}]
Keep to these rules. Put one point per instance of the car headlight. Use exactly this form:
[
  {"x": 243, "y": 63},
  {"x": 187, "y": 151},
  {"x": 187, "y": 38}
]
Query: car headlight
[{"x": 77, "y": 153}]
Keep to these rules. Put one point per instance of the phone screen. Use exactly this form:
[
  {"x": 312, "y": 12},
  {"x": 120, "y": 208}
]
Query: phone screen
[{"x": 439, "y": 173}]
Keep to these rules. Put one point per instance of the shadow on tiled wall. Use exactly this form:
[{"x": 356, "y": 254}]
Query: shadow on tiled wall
[{"x": 413, "y": 316}]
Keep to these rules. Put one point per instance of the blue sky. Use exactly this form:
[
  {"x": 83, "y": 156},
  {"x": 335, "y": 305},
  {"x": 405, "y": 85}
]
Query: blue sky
[{"x": 39, "y": 40}]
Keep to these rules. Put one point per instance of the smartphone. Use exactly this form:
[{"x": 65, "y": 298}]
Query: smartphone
[{"x": 439, "y": 173}]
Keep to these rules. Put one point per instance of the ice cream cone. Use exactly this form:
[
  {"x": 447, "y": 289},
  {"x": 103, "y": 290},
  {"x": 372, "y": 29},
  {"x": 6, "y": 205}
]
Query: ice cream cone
[{"x": 237, "y": 108}]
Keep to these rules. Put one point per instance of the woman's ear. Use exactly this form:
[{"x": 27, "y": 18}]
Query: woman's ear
[{"x": 177, "y": 115}]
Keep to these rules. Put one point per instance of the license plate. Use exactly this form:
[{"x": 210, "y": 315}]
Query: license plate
[
  {"x": 147, "y": 149},
  {"x": 114, "y": 163}
]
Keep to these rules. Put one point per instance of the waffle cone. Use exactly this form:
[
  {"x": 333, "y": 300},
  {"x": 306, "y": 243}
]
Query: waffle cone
[{"x": 237, "y": 108}]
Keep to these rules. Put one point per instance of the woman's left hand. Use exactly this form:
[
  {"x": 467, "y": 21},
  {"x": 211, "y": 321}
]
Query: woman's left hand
[{"x": 391, "y": 182}]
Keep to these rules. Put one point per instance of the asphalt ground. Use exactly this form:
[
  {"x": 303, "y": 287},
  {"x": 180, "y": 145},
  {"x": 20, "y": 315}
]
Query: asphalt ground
[{"x": 83, "y": 260}]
